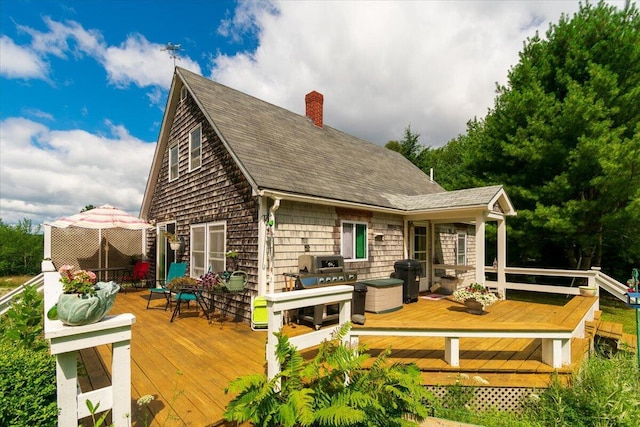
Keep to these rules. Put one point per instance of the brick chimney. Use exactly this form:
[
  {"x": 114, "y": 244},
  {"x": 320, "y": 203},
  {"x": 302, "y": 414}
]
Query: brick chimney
[{"x": 314, "y": 100}]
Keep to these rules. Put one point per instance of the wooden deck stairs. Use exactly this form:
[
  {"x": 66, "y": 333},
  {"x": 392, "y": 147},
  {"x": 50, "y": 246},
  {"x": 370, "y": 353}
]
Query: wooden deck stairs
[{"x": 612, "y": 332}]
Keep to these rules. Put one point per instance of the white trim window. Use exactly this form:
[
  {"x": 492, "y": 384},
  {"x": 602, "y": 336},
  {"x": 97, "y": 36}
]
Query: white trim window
[
  {"x": 173, "y": 162},
  {"x": 461, "y": 249},
  {"x": 183, "y": 93},
  {"x": 195, "y": 148},
  {"x": 208, "y": 243},
  {"x": 354, "y": 241}
]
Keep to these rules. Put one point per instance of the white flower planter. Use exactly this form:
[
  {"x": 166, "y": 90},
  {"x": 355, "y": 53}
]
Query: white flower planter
[{"x": 586, "y": 291}]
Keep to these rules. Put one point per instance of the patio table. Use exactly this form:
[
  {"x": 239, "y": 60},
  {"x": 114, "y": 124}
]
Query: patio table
[{"x": 187, "y": 294}]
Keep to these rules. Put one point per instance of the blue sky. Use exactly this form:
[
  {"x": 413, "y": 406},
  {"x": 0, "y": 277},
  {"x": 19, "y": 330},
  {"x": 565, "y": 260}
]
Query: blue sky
[{"x": 83, "y": 84}]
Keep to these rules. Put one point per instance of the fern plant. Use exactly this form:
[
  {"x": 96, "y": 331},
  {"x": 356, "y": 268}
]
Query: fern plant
[{"x": 332, "y": 389}]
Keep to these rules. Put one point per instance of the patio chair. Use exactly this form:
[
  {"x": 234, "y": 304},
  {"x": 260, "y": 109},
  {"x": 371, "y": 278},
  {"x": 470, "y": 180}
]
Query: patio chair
[
  {"x": 138, "y": 275},
  {"x": 176, "y": 269},
  {"x": 259, "y": 316}
]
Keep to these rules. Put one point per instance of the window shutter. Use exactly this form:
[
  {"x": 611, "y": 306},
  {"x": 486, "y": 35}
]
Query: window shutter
[{"x": 361, "y": 241}]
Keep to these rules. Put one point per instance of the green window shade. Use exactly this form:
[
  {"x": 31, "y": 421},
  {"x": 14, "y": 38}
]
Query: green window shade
[{"x": 361, "y": 241}]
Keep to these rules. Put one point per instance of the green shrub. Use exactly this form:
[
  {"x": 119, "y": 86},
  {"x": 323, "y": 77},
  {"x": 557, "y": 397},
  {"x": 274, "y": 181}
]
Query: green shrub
[
  {"x": 27, "y": 387},
  {"x": 604, "y": 392},
  {"x": 23, "y": 323},
  {"x": 333, "y": 389}
]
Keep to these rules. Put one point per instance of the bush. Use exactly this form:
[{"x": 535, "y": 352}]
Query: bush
[
  {"x": 27, "y": 387},
  {"x": 333, "y": 389},
  {"x": 23, "y": 323},
  {"x": 604, "y": 392}
]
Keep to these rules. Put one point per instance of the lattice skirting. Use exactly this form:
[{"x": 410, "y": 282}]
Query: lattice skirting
[{"x": 501, "y": 398}]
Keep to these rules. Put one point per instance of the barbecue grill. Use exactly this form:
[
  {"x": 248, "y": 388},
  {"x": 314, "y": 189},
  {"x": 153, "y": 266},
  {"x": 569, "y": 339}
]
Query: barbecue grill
[{"x": 316, "y": 271}]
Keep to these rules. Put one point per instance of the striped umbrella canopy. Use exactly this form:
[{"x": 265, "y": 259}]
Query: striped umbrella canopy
[
  {"x": 101, "y": 218},
  {"x": 105, "y": 216}
]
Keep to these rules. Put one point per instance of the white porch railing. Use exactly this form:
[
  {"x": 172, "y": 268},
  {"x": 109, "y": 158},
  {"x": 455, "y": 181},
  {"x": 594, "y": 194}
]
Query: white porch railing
[
  {"x": 7, "y": 299},
  {"x": 67, "y": 340},
  {"x": 278, "y": 303},
  {"x": 595, "y": 279}
]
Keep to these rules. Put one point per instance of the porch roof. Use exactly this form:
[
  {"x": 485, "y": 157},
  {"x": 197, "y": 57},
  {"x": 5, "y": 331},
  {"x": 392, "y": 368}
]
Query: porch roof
[{"x": 492, "y": 199}]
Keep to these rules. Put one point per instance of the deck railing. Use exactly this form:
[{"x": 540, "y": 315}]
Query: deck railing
[
  {"x": 278, "y": 303},
  {"x": 66, "y": 341},
  {"x": 595, "y": 279},
  {"x": 7, "y": 299}
]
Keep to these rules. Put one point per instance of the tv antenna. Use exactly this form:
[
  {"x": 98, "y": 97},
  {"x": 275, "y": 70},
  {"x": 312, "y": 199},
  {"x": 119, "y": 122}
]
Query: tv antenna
[{"x": 173, "y": 50}]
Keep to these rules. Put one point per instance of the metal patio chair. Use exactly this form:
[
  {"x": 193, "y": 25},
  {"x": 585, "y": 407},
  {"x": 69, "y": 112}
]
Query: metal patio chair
[{"x": 176, "y": 269}]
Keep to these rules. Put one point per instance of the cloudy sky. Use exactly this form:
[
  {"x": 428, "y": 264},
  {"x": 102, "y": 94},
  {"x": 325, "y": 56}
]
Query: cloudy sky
[{"x": 83, "y": 84}]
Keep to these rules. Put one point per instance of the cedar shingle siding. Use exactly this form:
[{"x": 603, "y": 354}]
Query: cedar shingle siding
[{"x": 215, "y": 192}]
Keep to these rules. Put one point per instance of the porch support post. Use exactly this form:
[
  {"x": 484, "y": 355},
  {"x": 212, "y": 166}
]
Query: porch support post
[
  {"x": 47, "y": 242},
  {"x": 262, "y": 239},
  {"x": 452, "y": 350},
  {"x": 480, "y": 230},
  {"x": 502, "y": 252}
]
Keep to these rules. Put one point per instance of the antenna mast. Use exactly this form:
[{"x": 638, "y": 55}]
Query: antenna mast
[{"x": 173, "y": 50}]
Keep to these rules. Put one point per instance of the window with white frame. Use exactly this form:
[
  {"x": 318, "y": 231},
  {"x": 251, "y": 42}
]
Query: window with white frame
[
  {"x": 195, "y": 148},
  {"x": 461, "y": 249},
  {"x": 354, "y": 241},
  {"x": 207, "y": 248},
  {"x": 173, "y": 162},
  {"x": 183, "y": 93}
]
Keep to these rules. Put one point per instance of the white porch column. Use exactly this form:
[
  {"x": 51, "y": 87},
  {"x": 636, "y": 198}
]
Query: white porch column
[
  {"x": 47, "y": 241},
  {"x": 502, "y": 252},
  {"x": 480, "y": 249},
  {"x": 262, "y": 252}
]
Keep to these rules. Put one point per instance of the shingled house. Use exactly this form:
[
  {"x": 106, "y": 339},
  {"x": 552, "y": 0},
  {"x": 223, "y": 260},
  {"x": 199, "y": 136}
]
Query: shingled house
[{"x": 233, "y": 173}]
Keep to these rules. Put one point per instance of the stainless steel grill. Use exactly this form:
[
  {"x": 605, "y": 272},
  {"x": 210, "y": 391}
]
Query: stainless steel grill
[{"x": 319, "y": 271}]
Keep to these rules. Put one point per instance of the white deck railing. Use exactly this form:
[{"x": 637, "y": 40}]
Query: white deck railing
[
  {"x": 7, "y": 299},
  {"x": 66, "y": 341},
  {"x": 595, "y": 279},
  {"x": 278, "y": 303}
]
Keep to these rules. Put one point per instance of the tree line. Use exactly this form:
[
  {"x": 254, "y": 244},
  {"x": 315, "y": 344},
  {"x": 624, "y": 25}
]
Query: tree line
[
  {"x": 21, "y": 248},
  {"x": 563, "y": 137}
]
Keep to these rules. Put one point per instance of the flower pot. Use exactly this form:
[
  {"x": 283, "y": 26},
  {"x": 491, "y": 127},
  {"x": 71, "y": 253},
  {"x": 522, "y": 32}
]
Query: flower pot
[
  {"x": 586, "y": 291},
  {"x": 76, "y": 309},
  {"x": 473, "y": 306},
  {"x": 174, "y": 246}
]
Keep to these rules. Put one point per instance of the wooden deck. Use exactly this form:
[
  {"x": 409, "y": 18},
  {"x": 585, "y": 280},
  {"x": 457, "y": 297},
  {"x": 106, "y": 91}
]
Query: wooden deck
[{"x": 186, "y": 364}]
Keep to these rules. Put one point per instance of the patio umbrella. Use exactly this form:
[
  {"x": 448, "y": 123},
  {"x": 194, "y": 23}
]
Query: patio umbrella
[{"x": 103, "y": 217}]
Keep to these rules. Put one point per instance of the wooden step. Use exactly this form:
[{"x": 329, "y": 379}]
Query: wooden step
[
  {"x": 590, "y": 328},
  {"x": 611, "y": 330},
  {"x": 628, "y": 342}
]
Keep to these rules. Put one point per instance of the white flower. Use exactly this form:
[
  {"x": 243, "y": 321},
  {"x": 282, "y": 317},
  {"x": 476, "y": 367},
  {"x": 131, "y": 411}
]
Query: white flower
[
  {"x": 145, "y": 400},
  {"x": 480, "y": 380},
  {"x": 475, "y": 291}
]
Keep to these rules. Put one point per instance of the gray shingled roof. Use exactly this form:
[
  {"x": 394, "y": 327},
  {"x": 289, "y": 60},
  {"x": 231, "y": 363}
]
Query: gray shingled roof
[
  {"x": 285, "y": 151},
  {"x": 472, "y": 197}
]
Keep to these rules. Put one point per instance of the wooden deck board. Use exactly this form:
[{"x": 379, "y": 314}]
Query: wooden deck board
[{"x": 187, "y": 364}]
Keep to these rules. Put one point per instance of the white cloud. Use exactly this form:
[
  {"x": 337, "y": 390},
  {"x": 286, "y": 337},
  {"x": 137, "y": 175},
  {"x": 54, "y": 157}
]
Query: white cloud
[
  {"x": 18, "y": 62},
  {"x": 142, "y": 63},
  {"x": 74, "y": 168},
  {"x": 136, "y": 61},
  {"x": 383, "y": 65}
]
